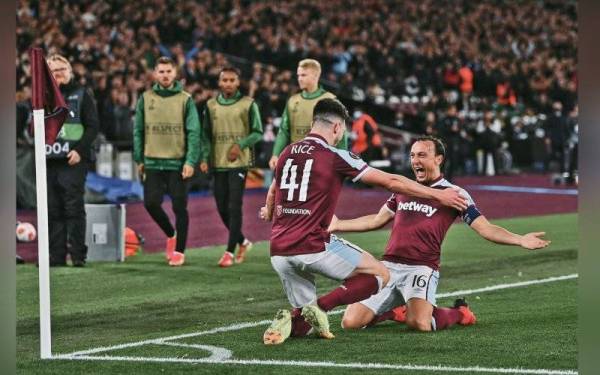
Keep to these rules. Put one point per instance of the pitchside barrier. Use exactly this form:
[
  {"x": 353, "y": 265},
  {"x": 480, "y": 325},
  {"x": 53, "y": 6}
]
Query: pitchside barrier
[{"x": 105, "y": 232}]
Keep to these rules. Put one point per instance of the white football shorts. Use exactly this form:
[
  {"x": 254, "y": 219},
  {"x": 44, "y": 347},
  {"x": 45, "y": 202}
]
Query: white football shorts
[
  {"x": 296, "y": 272},
  {"x": 406, "y": 282}
]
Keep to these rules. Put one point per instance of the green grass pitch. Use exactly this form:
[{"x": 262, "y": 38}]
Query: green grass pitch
[{"x": 106, "y": 304}]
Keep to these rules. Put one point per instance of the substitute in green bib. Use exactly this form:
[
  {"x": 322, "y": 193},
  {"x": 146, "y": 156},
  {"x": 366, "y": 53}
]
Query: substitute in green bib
[
  {"x": 231, "y": 127},
  {"x": 297, "y": 116},
  {"x": 166, "y": 147},
  {"x": 67, "y": 162}
]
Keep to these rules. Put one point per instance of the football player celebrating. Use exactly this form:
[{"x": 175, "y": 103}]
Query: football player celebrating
[
  {"x": 412, "y": 254},
  {"x": 301, "y": 200}
]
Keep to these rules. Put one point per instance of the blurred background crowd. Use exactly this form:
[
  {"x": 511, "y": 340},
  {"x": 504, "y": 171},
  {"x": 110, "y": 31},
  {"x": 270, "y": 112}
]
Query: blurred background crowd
[{"x": 497, "y": 81}]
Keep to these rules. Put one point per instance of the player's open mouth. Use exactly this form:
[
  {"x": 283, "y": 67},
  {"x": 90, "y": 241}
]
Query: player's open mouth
[{"x": 419, "y": 172}]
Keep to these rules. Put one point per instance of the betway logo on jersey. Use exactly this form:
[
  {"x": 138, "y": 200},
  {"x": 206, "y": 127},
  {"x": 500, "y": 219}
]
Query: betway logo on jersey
[
  {"x": 291, "y": 211},
  {"x": 417, "y": 207}
]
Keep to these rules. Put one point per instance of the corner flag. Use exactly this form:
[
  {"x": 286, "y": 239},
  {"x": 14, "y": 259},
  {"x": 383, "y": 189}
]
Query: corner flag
[
  {"x": 46, "y": 95},
  {"x": 49, "y": 113}
]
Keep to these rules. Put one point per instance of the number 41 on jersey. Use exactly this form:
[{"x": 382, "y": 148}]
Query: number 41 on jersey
[{"x": 290, "y": 170}]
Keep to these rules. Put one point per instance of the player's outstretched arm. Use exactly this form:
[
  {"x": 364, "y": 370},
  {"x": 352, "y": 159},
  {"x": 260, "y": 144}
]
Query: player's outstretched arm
[
  {"x": 363, "y": 223},
  {"x": 400, "y": 184},
  {"x": 500, "y": 235},
  {"x": 266, "y": 212}
]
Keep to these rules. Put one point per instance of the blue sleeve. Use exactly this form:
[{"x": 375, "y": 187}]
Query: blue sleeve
[
  {"x": 191, "y": 53},
  {"x": 164, "y": 50}
]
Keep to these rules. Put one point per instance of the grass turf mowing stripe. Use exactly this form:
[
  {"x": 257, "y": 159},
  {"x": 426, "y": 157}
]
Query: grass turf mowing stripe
[
  {"x": 239, "y": 326},
  {"x": 434, "y": 368}
]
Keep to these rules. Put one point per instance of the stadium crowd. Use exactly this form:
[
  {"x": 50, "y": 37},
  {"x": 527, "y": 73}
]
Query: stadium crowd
[{"x": 479, "y": 74}]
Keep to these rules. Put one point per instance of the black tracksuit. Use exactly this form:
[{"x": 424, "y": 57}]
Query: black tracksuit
[{"x": 66, "y": 187}]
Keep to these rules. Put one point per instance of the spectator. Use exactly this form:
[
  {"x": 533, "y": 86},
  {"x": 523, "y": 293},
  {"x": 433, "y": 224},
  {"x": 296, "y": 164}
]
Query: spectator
[
  {"x": 506, "y": 94},
  {"x": 557, "y": 138},
  {"x": 466, "y": 81},
  {"x": 363, "y": 60},
  {"x": 573, "y": 126},
  {"x": 26, "y": 191},
  {"x": 123, "y": 123},
  {"x": 488, "y": 143},
  {"x": 449, "y": 130},
  {"x": 367, "y": 140}
]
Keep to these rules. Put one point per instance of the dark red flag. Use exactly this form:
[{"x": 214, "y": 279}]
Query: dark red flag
[{"x": 46, "y": 95}]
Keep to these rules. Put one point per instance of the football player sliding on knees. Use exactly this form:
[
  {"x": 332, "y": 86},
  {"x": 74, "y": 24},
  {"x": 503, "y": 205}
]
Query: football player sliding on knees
[
  {"x": 412, "y": 255},
  {"x": 301, "y": 201}
]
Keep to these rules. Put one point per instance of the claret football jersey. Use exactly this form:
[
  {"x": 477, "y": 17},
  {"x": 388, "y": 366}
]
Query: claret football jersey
[
  {"x": 309, "y": 177},
  {"x": 420, "y": 226}
]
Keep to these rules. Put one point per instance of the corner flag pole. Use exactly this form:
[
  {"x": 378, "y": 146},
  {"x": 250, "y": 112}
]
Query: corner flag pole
[
  {"x": 45, "y": 97},
  {"x": 43, "y": 245}
]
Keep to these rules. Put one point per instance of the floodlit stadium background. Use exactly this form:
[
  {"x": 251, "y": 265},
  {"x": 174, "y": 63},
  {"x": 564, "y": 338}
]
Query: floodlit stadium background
[{"x": 400, "y": 62}]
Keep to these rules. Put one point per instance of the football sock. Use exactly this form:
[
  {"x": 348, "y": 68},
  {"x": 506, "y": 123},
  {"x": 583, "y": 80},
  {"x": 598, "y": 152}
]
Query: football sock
[
  {"x": 354, "y": 289},
  {"x": 444, "y": 317},
  {"x": 388, "y": 315},
  {"x": 300, "y": 327}
]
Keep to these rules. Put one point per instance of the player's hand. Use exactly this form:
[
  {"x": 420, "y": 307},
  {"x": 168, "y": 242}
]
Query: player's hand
[
  {"x": 234, "y": 152},
  {"x": 273, "y": 162},
  {"x": 187, "y": 172},
  {"x": 452, "y": 198},
  {"x": 140, "y": 169},
  {"x": 333, "y": 225},
  {"x": 265, "y": 214},
  {"x": 73, "y": 157},
  {"x": 204, "y": 167},
  {"x": 533, "y": 241}
]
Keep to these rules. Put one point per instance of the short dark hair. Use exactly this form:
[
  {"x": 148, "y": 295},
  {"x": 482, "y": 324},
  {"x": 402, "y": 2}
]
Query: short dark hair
[
  {"x": 230, "y": 69},
  {"x": 165, "y": 60},
  {"x": 331, "y": 107},
  {"x": 440, "y": 148}
]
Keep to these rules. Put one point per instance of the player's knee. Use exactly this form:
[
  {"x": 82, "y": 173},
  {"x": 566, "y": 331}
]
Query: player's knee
[
  {"x": 419, "y": 324},
  {"x": 350, "y": 322}
]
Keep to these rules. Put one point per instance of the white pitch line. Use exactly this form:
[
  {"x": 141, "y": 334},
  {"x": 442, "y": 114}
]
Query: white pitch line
[
  {"x": 436, "y": 368},
  {"x": 217, "y": 353},
  {"x": 232, "y": 327},
  {"x": 240, "y": 326},
  {"x": 506, "y": 286}
]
